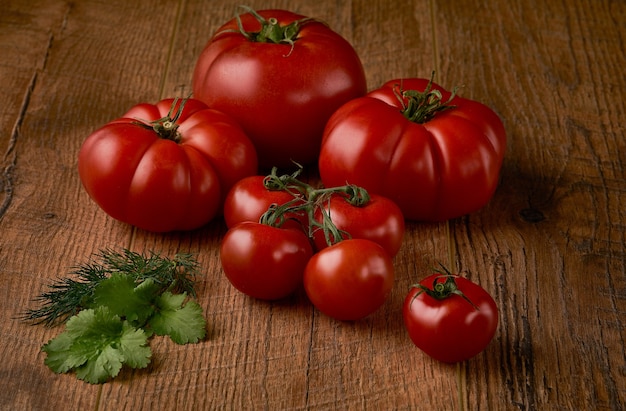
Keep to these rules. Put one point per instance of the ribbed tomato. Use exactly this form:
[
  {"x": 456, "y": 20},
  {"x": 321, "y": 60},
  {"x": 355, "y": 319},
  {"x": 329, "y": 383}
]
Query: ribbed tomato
[
  {"x": 437, "y": 156},
  {"x": 163, "y": 167}
]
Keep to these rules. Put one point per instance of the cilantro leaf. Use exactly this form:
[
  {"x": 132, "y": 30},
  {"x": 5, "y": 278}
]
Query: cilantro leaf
[
  {"x": 133, "y": 347},
  {"x": 60, "y": 358},
  {"x": 183, "y": 323},
  {"x": 123, "y": 297},
  {"x": 105, "y": 364},
  {"x": 96, "y": 343}
]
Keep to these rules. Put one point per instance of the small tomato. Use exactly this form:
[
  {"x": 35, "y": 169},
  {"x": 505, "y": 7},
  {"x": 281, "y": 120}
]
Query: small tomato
[
  {"x": 249, "y": 199},
  {"x": 379, "y": 220},
  {"x": 264, "y": 262},
  {"x": 449, "y": 317},
  {"x": 350, "y": 279}
]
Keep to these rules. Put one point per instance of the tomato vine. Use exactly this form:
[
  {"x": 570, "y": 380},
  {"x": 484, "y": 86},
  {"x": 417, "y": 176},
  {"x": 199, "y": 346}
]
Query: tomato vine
[{"x": 307, "y": 200}]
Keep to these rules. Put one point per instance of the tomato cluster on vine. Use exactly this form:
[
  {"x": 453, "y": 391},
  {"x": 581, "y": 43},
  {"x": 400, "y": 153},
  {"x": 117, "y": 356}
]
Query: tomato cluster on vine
[{"x": 338, "y": 243}]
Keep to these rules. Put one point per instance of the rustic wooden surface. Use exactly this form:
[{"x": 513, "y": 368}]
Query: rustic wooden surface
[{"x": 550, "y": 246}]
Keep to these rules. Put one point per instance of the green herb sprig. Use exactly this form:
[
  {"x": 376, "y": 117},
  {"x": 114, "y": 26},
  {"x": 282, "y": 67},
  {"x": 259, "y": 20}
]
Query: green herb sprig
[
  {"x": 67, "y": 296},
  {"x": 113, "y": 307}
]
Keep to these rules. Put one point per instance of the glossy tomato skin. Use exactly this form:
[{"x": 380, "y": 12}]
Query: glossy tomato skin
[
  {"x": 264, "y": 262},
  {"x": 380, "y": 220},
  {"x": 159, "y": 184},
  {"x": 281, "y": 95},
  {"x": 442, "y": 169},
  {"x": 450, "y": 330},
  {"x": 349, "y": 280},
  {"x": 248, "y": 200}
]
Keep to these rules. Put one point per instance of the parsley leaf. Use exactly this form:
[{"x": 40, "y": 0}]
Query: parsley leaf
[
  {"x": 96, "y": 343},
  {"x": 183, "y": 323}
]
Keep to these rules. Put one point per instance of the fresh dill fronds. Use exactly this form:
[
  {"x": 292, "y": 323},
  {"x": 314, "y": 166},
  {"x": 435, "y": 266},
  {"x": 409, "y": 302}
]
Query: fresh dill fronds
[
  {"x": 67, "y": 296},
  {"x": 177, "y": 274}
]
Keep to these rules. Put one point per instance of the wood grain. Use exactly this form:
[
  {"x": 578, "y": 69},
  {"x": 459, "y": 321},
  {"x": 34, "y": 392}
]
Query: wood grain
[{"x": 550, "y": 246}]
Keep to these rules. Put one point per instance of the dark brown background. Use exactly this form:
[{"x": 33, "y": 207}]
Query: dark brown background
[{"x": 549, "y": 247}]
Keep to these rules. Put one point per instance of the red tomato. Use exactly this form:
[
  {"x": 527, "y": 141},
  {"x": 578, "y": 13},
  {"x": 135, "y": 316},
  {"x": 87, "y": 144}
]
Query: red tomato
[
  {"x": 380, "y": 220},
  {"x": 170, "y": 179},
  {"x": 349, "y": 280},
  {"x": 264, "y": 262},
  {"x": 248, "y": 200},
  {"x": 282, "y": 94},
  {"x": 451, "y": 329},
  {"x": 435, "y": 168}
]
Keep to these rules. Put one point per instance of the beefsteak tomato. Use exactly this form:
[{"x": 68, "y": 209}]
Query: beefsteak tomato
[
  {"x": 450, "y": 318},
  {"x": 436, "y": 155},
  {"x": 264, "y": 262},
  {"x": 350, "y": 279},
  {"x": 164, "y": 166},
  {"x": 280, "y": 75}
]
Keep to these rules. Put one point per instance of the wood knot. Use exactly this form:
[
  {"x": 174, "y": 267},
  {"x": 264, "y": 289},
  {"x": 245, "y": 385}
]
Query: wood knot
[{"x": 532, "y": 215}]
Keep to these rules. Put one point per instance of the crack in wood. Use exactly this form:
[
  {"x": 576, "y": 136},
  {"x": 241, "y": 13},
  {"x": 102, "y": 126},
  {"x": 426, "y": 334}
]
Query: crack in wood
[{"x": 7, "y": 179}]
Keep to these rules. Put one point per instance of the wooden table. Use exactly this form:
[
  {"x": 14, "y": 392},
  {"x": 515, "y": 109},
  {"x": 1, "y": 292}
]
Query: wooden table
[{"x": 549, "y": 246}]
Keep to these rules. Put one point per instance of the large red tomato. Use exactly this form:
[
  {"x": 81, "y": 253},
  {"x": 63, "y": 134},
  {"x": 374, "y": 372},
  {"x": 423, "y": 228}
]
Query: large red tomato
[
  {"x": 400, "y": 141},
  {"x": 161, "y": 169},
  {"x": 281, "y": 77}
]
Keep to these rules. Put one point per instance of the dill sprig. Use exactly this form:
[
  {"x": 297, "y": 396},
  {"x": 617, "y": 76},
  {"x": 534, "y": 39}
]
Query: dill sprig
[{"x": 67, "y": 296}]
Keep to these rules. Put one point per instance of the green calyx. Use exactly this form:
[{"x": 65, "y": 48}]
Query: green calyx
[
  {"x": 444, "y": 287},
  {"x": 421, "y": 106},
  {"x": 272, "y": 31},
  {"x": 166, "y": 127}
]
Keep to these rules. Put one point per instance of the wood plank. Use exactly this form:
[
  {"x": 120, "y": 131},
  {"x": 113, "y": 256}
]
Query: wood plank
[
  {"x": 88, "y": 67},
  {"x": 372, "y": 364},
  {"x": 24, "y": 46},
  {"x": 551, "y": 245},
  {"x": 25, "y": 42}
]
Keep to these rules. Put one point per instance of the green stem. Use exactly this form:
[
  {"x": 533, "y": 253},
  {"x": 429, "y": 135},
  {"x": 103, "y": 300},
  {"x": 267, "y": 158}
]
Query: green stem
[
  {"x": 276, "y": 215},
  {"x": 421, "y": 106},
  {"x": 286, "y": 182},
  {"x": 271, "y": 30},
  {"x": 307, "y": 200},
  {"x": 445, "y": 289},
  {"x": 166, "y": 127},
  {"x": 332, "y": 234}
]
